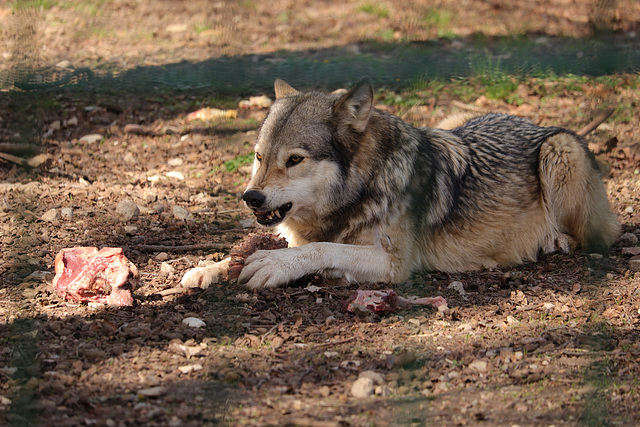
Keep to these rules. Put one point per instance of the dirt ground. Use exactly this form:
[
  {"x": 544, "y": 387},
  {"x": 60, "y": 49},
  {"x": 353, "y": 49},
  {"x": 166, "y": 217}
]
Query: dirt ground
[{"x": 554, "y": 342}]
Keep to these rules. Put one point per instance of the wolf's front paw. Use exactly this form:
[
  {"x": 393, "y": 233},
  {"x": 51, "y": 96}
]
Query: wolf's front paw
[
  {"x": 269, "y": 269},
  {"x": 203, "y": 277}
]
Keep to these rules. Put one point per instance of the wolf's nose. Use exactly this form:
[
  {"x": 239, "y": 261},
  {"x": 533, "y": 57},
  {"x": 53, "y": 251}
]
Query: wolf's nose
[{"x": 254, "y": 199}]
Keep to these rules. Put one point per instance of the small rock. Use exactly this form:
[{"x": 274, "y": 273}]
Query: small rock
[
  {"x": 634, "y": 264},
  {"x": 129, "y": 159},
  {"x": 127, "y": 210},
  {"x": 153, "y": 391},
  {"x": 158, "y": 207},
  {"x": 375, "y": 377},
  {"x": 51, "y": 215},
  {"x": 177, "y": 161},
  {"x": 548, "y": 306},
  {"x": 134, "y": 129},
  {"x": 54, "y": 126},
  {"x": 458, "y": 287},
  {"x": 71, "y": 122},
  {"x": 190, "y": 368},
  {"x": 175, "y": 174},
  {"x": 382, "y": 390},
  {"x": 628, "y": 239},
  {"x": 629, "y": 210},
  {"x": 193, "y": 322},
  {"x": 181, "y": 213},
  {"x": 248, "y": 223},
  {"x": 131, "y": 229},
  {"x": 93, "y": 138},
  {"x": 479, "y": 366},
  {"x": 162, "y": 256},
  {"x": 66, "y": 212},
  {"x": 362, "y": 387},
  {"x": 64, "y": 64}
]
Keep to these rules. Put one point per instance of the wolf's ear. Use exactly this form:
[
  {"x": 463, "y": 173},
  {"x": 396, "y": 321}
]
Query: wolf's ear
[
  {"x": 283, "y": 89},
  {"x": 355, "y": 106}
]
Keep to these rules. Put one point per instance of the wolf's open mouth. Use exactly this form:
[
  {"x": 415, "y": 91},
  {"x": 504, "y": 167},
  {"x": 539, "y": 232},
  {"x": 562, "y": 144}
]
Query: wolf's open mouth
[{"x": 273, "y": 217}]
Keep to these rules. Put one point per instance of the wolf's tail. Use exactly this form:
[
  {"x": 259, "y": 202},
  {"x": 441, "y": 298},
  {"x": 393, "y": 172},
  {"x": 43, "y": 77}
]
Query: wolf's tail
[{"x": 573, "y": 191}]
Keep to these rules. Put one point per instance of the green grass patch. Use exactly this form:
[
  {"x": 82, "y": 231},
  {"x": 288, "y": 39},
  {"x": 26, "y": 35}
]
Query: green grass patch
[
  {"x": 374, "y": 9},
  {"x": 440, "y": 19},
  {"x": 20, "y": 5},
  {"x": 240, "y": 160}
]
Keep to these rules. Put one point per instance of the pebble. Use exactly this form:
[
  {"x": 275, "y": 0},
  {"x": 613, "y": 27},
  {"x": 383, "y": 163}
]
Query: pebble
[
  {"x": 376, "y": 377},
  {"x": 628, "y": 239},
  {"x": 64, "y": 64},
  {"x": 127, "y": 210},
  {"x": 176, "y": 161},
  {"x": 362, "y": 387},
  {"x": 629, "y": 210},
  {"x": 479, "y": 366},
  {"x": 129, "y": 159},
  {"x": 548, "y": 306},
  {"x": 190, "y": 368},
  {"x": 153, "y": 391},
  {"x": 180, "y": 213},
  {"x": 51, "y": 215},
  {"x": 175, "y": 174},
  {"x": 66, "y": 212},
  {"x": 162, "y": 256},
  {"x": 193, "y": 322},
  {"x": 634, "y": 265},
  {"x": 131, "y": 229},
  {"x": 92, "y": 138},
  {"x": 458, "y": 287}
]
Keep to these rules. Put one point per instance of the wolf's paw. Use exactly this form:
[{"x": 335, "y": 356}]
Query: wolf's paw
[
  {"x": 269, "y": 269},
  {"x": 557, "y": 243},
  {"x": 203, "y": 277}
]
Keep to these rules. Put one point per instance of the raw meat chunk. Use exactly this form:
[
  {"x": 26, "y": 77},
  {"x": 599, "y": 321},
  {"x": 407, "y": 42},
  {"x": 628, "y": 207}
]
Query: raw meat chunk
[
  {"x": 86, "y": 274},
  {"x": 252, "y": 243}
]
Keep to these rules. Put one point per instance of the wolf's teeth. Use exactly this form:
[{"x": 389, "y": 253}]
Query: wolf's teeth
[{"x": 277, "y": 213}]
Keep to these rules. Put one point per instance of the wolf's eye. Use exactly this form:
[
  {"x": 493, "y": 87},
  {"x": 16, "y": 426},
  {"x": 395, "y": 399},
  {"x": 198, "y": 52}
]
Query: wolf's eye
[
  {"x": 294, "y": 160},
  {"x": 258, "y": 157}
]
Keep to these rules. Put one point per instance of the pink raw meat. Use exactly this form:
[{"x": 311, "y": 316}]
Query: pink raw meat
[
  {"x": 387, "y": 301},
  {"x": 248, "y": 246},
  {"x": 84, "y": 274}
]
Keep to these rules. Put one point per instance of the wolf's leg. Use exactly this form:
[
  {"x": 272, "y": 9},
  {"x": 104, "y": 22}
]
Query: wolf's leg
[
  {"x": 269, "y": 269},
  {"x": 574, "y": 193},
  {"x": 203, "y": 277}
]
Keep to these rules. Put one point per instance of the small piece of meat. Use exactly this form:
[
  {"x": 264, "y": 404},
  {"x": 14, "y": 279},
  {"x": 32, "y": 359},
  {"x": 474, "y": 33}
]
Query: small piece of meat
[
  {"x": 86, "y": 274},
  {"x": 252, "y": 243},
  {"x": 387, "y": 301}
]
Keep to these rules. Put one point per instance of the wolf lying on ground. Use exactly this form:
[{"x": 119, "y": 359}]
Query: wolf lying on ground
[{"x": 358, "y": 193}]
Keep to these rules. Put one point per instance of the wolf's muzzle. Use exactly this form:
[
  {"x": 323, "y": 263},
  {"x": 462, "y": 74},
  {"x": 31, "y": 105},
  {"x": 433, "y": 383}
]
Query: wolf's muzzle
[{"x": 254, "y": 199}]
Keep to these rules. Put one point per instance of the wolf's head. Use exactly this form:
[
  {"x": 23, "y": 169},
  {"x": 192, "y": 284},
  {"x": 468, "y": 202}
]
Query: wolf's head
[{"x": 304, "y": 151}]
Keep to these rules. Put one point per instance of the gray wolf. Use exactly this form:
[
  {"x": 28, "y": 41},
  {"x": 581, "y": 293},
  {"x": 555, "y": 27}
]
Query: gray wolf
[{"x": 358, "y": 193}]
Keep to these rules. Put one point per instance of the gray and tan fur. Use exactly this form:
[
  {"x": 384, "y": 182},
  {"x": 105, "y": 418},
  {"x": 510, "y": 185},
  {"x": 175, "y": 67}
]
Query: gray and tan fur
[{"x": 361, "y": 194}]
